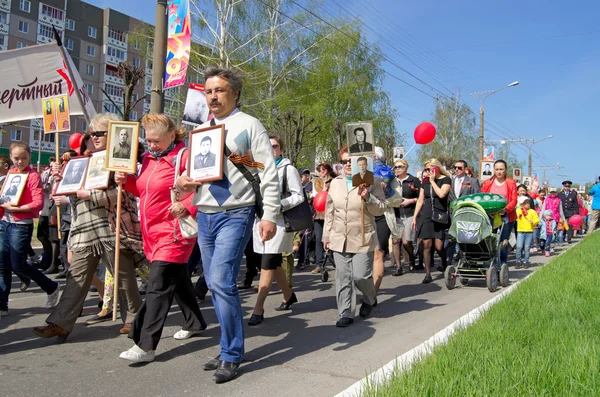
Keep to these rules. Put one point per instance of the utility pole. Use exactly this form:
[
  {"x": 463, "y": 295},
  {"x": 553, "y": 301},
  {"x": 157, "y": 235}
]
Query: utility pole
[
  {"x": 157, "y": 98},
  {"x": 529, "y": 142}
]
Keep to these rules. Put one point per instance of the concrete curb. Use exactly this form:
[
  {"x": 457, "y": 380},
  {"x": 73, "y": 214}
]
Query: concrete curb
[{"x": 405, "y": 361}]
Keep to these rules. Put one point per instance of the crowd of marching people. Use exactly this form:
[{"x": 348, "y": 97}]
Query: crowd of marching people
[{"x": 401, "y": 216}]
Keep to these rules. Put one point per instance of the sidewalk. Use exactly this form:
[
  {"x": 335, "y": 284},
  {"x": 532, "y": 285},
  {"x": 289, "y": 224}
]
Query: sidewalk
[{"x": 298, "y": 353}]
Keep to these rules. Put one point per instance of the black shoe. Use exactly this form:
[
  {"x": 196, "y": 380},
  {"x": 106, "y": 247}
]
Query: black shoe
[
  {"x": 256, "y": 319},
  {"x": 212, "y": 364},
  {"x": 288, "y": 304},
  {"x": 398, "y": 272},
  {"x": 440, "y": 268},
  {"x": 225, "y": 372},
  {"x": 411, "y": 267},
  {"x": 344, "y": 322},
  {"x": 25, "y": 284},
  {"x": 51, "y": 270},
  {"x": 427, "y": 279},
  {"x": 62, "y": 274},
  {"x": 365, "y": 310}
]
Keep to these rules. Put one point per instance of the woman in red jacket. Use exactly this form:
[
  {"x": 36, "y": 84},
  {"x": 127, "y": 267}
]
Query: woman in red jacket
[
  {"x": 506, "y": 187},
  {"x": 164, "y": 246},
  {"x": 16, "y": 229}
]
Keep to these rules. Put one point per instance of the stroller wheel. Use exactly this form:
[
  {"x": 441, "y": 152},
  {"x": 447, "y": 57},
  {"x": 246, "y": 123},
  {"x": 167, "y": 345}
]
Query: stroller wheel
[
  {"x": 449, "y": 277},
  {"x": 504, "y": 278},
  {"x": 325, "y": 276},
  {"x": 492, "y": 278},
  {"x": 463, "y": 281}
]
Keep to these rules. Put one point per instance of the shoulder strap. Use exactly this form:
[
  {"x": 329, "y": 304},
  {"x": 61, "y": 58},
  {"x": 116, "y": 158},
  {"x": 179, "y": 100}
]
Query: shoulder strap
[
  {"x": 247, "y": 174},
  {"x": 178, "y": 163},
  {"x": 285, "y": 182}
]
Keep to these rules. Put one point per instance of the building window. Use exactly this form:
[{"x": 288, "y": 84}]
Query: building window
[
  {"x": 110, "y": 108},
  {"x": 116, "y": 34},
  {"x": 92, "y": 32},
  {"x": 136, "y": 44},
  {"x": 113, "y": 90},
  {"x": 21, "y": 45},
  {"x": 52, "y": 12},
  {"x": 116, "y": 53},
  {"x": 133, "y": 116},
  {"x": 90, "y": 89},
  {"x": 63, "y": 142},
  {"x": 3, "y": 17},
  {"x": 23, "y": 27},
  {"x": 149, "y": 64},
  {"x": 16, "y": 135},
  {"x": 89, "y": 70},
  {"x": 136, "y": 62},
  {"x": 70, "y": 24},
  {"x": 83, "y": 125},
  {"x": 25, "y": 5},
  {"x": 45, "y": 31},
  {"x": 134, "y": 98},
  {"x": 91, "y": 51},
  {"x": 69, "y": 44}
]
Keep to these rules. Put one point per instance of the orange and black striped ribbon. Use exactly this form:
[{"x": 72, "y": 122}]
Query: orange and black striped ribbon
[{"x": 245, "y": 160}]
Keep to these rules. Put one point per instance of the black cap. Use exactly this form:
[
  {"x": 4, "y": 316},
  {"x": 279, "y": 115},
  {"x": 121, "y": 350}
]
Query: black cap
[
  {"x": 305, "y": 171},
  {"x": 567, "y": 183}
]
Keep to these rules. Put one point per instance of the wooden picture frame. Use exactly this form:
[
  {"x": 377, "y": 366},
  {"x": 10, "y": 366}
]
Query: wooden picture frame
[
  {"x": 206, "y": 153},
  {"x": 13, "y": 187},
  {"x": 122, "y": 146},
  {"x": 73, "y": 176},
  {"x": 97, "y": 177},
  {"x": 486, "y": 170},
  {"x": 352, "y": 131}
]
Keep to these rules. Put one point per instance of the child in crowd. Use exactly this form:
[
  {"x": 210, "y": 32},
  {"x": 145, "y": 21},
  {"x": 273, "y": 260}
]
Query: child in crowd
[
  {"x": 16, "y": 229},
  {"x": 547, "y": 228},
  {"x": 527, "y": 219}
]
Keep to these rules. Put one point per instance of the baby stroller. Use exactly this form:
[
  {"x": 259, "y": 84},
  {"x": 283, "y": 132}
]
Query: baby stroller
[{"x": 472, "y": 229}]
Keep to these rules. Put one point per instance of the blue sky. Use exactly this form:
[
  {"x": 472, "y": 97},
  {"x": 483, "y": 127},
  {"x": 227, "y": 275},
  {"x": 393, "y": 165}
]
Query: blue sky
[{"x": 464, "y": 46}]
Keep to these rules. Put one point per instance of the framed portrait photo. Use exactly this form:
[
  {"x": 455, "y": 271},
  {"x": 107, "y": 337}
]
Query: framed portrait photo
[
  {"x": 486, "y": 170},
  {"x": 362, "y": 170},
  {"x": 73, "y": 175},
  {"x": 205, "y": 162},
  {"x": 517, "y": 175},
  {"x": 63, "y": 115},
  {"x": 527, "y": 181},
  {"x": 13, "y": 187},
  {"x": 49, "y": 115},
  {"x": 97, "y": 176},
  {"x": 360, "y": 138},
  {"x": 398, "y": 153},
  {"x": 122, "y": 146},
  {"x": 196, "y": 110}
]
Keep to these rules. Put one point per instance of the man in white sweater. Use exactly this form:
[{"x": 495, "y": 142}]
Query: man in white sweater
[{"x": 226, "y": 210}]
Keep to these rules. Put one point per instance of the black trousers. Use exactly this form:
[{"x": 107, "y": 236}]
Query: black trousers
[
  {"x": 166, "y": 281},
  {"x": 253, "y": 261},
  {"x": 43, "y": 235}
]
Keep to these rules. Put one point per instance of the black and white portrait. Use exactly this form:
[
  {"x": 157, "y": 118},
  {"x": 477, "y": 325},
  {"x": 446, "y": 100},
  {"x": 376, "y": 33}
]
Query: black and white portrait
[
  {"x": 72, "y": 176},
  {"x": 360, "y": 138},
  {"x": 13, "y": 188},
  {"x": 517, "y": 174},
  {"x": 97, "y": 176},
  {"x": 399, "y": 153},
  {"x": 205, "y": 162},
  {"x": 196, "y": 110},
  {"x": 486, "y": 170},
  {"x": 362, "y": 170},
  {"x": 122, "y": 146}
]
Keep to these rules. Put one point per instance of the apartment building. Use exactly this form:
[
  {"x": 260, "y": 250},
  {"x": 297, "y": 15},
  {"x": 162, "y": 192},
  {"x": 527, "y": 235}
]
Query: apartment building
[{"x": 97, "y": 40}]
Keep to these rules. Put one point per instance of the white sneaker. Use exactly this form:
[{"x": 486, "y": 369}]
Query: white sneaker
[
  {"x": 52, "y": 299},
  {"x": 183, "y": 334},
  {"x": 137, "y": 355}
]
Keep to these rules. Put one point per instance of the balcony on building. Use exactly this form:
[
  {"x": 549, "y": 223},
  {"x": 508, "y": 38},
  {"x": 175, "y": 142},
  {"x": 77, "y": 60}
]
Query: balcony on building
[
  {"x": 51, "y": 16},
  {"x": 5, "y": 6},
  {"x": 111, "y": 76},
  {"x": 117, "y": 39}
]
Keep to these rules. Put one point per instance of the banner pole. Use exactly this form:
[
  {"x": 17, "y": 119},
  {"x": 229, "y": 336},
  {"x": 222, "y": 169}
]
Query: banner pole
[
  {"x": 117, "y": 256},
  {"x": 57, "y": 148},
  {"x": 39, "y": 150}
]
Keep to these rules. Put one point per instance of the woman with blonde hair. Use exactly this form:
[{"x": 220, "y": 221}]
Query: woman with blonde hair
[
  {"x": 165, "y": 247},
  {"x": 432, "y": 213}
]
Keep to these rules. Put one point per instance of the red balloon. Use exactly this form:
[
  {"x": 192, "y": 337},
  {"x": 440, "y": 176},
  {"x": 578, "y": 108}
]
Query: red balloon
[
  {"x": 424, "y": 133},
  {"x": 75, "y": 141},
  {"x": 576, "y": 221},
  {"x": 533, "y": 195},
  {"x": 320, "y": 201}
]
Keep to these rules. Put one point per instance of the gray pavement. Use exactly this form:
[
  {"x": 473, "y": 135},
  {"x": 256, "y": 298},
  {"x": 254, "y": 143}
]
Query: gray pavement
[{"x": 294, "y": 353}]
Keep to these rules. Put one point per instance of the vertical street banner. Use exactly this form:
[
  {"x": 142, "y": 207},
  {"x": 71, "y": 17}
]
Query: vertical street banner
[{"x": 179, "y": 42}]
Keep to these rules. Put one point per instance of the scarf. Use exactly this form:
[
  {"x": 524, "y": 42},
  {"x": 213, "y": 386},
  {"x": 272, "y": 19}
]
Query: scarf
[
  {"x": 278, "y": 160},
  {"x": 158, "y": 155}
]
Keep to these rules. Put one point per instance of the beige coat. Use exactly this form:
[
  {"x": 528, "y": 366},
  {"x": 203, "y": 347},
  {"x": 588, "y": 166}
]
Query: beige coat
[{"x": 343, "y": 217}]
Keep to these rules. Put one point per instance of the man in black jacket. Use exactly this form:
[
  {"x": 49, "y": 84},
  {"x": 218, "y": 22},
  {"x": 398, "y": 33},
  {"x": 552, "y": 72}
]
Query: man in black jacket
[{"x": 570, "y": 205}]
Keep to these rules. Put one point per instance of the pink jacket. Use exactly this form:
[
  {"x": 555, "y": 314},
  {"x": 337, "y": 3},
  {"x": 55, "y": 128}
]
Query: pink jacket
[
  {"x": 32, "y": 195},
  {"x": 160, "y": 230},
  {"x": 553, "y": 204}
]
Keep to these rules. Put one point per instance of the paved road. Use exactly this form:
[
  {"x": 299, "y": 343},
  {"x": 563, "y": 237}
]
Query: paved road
[{"x": 295, "y": 353}]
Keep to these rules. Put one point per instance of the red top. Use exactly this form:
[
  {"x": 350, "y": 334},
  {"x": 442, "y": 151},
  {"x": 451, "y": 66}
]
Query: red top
[
  {"x": 160, "y": 230},
  {"x": 32, "y": 195},
  {"x": 511, "y": 196}
]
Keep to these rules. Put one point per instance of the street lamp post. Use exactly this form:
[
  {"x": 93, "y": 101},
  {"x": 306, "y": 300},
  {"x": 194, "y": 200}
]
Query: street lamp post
[
  {"x": 482, "y": 96},
  {"x": 527, "y": 142}
]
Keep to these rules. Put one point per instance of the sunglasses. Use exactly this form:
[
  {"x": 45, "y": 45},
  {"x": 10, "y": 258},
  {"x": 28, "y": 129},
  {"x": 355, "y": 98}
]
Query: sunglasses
[
  {"x": 98, "y": 134},
  {"x": 275, "y": 146},
  {"x": 456, "y": 167},
  {"x": 398, "y": 167},
  {"x": 344, "y": 162},
  {"x": 426, "y": 170}
]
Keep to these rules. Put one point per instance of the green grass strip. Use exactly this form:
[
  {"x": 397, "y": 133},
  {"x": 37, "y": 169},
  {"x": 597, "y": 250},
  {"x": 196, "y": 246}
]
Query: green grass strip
[{"x": 541, "y": 340}]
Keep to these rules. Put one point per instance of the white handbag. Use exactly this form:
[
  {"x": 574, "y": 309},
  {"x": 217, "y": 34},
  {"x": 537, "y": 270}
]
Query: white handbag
[{"x": 187, "y": 225}]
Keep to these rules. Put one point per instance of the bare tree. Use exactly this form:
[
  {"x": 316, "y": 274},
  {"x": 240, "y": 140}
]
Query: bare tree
[
  {"x": 131, "y": 76},
  {"x": 293, "y": 128}
]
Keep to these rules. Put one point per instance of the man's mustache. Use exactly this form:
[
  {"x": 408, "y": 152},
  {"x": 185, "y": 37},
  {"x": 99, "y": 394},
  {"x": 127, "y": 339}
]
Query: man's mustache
[{"x": 215, "y": 102}]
